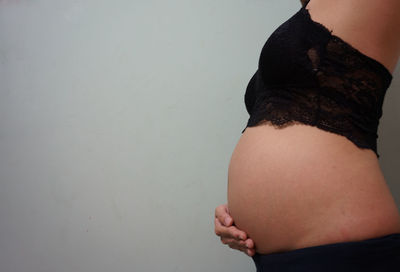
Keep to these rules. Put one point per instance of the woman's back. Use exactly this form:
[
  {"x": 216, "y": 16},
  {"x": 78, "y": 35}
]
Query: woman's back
[
  {"x": 371, "y": 26},
  {"x": 301, "y": 185}
]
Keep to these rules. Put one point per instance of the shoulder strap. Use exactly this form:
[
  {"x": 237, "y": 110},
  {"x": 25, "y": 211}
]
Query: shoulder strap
[{"x": 304, "y": 2}]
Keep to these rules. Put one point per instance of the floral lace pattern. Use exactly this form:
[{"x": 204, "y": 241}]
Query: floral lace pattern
[{"x": 308, "y": 75}]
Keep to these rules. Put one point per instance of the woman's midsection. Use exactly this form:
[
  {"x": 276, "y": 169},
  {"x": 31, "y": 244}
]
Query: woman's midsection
[{"x": 301, "y": 186}]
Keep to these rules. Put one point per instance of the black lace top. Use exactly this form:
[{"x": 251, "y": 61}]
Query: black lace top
[{"x": 308, "y": 75}]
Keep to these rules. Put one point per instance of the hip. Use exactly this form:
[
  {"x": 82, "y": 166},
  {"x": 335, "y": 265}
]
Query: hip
[{"x": 377, "y": 254}]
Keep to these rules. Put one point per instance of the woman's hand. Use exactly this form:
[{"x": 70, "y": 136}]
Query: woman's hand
[{"x": 229, "y": 234}]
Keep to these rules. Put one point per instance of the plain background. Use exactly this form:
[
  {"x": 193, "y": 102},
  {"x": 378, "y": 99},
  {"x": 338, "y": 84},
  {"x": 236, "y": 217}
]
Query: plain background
[{"x": 117, "y": 123}]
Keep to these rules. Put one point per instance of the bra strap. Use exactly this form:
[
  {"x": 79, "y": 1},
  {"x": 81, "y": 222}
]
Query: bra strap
[{"x": 305, "y": 3}]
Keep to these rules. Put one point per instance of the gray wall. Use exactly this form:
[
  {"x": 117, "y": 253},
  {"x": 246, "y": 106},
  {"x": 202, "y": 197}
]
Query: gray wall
[{"x": 118, "y": 120}]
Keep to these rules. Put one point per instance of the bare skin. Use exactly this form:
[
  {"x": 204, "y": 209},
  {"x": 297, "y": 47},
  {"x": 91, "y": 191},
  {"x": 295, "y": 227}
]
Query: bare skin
[
  {"x": 382, "y": 42},
  {"x": 230, "y": 235},
  {"x": 349, "y": 20}
]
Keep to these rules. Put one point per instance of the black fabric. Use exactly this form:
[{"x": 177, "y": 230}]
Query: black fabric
[
  {"x": 381, "y": 254},
  {"x": 308, "y": 75}
]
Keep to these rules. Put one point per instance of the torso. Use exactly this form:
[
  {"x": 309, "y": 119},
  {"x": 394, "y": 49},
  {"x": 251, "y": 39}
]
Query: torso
[
  {"x": 349, "y": 19},
  {"x": 301, "y": 186}
]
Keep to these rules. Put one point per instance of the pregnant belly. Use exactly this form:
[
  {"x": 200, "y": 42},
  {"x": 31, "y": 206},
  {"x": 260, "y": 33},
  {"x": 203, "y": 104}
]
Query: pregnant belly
[{"x": 301, "y": 186}]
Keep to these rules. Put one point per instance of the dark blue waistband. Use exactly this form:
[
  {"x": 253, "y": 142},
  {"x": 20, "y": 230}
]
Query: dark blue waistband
[{"x": 378, "y": 254}]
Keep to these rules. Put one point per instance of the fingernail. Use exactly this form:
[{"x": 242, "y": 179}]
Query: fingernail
[{"x": 227, "y": 221}]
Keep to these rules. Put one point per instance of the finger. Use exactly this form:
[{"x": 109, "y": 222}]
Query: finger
[
  {"x": 223, "y": 231},
  {"x": 226, "y": 241},
  {"x": 221, "y": 212},
  {"x": 229, "y": 232},
  {"x": 230, "y": 241},
  {"x": 236, "y": 233},
  {"x": 226, "y": 207},
  {"x": 244, "y": 247},
  {"x": 251, "y": 252},
  {"x": 241, "y": 245},
  {"x": 220, "y": 230},
  {"x": 241, "y": 235},
  {"x": 240, "y": 248},
  {"x": 234, "y": 246},
  {"x": 249, "y": 243}
]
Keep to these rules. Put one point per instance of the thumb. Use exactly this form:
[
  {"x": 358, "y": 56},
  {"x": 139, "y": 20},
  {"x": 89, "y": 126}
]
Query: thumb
[{"x": 227, "y": 220}]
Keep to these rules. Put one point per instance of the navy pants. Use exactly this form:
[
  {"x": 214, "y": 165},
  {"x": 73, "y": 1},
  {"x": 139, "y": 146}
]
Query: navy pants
[{"x": 379, "y": 254}]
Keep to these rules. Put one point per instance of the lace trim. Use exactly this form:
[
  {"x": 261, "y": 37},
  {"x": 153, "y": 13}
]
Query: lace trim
[{"x": 315, "y": 78}]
